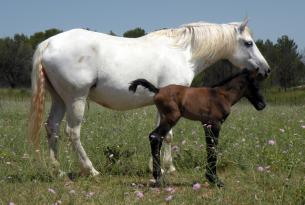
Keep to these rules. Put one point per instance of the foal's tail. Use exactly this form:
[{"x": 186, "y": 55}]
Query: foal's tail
[
  {"x": 38, "y": 97},
  {"x": 134, "y": 84}
]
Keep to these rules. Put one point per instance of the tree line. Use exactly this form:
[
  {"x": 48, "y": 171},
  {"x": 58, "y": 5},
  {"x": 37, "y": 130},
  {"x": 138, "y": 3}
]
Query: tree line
[{"x": 286, "y": 61}]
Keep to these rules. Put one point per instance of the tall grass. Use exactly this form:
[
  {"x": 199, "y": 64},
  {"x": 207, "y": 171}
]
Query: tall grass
[{"x": 261, "y": 159}]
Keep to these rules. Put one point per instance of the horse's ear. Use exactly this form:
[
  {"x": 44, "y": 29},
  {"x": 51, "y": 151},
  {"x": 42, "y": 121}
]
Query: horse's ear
[{"x": 243, "y": 25}]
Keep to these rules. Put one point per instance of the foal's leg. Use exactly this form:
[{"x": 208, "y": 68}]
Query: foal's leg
[
  {"x": 75, "y": 112},
  {"x": 212, "y": 142},
  {"x": 167, "y": 154},
  {"x": 156, "y": 138},
  {"x": 52, "y": 126}
]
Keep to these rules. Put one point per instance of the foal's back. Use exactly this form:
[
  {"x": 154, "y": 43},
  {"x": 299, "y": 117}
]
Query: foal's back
[{"x": 200, "y": 104}]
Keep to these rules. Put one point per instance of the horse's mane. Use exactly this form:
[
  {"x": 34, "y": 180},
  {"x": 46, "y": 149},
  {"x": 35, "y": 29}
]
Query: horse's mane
[
  {"x": 206, "y": 40},
  {"x": 245, "y": 71}
]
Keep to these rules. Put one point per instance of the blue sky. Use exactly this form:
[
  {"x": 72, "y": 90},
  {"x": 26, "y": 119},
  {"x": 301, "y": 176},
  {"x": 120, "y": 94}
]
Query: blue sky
[{"x": 268, "y": 19}]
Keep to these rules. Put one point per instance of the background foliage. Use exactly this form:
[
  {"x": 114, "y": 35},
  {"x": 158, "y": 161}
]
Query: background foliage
[{"x": 284, "y": 57}]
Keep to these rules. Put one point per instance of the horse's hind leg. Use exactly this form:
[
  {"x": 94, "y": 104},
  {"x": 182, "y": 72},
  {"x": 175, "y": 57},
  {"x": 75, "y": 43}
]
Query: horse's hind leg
[
  {"x": 75, "y": 113},
  {"x": 52, "y": 126},
  {"x": 167, "y": 153}
]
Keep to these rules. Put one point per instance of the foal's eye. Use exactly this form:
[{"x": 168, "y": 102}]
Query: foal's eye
[{"x": 248, "y": 44}]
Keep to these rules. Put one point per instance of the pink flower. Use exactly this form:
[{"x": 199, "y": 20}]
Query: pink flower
[
  {"x": 260, "y": 168},
  {"x": 90, "y": 194},
  {"x": 139, "y": 194},
  {"x": 209, "y": 126},
  {"x": 175, "y": 148},
  {"x": 72, "y": 191},
  {"x": 170, "y": 190},
  {"x": 11, "y": 203},
  {"x": 303, "y": 126},
  {"x": 51, "y": 191},
  {"x": 196, "y": 186},
  {"x": 169, "y": 198},
  {"x": 271, "y": 142}
]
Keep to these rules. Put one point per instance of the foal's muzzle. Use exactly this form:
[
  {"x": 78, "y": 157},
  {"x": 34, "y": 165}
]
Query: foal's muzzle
[{"x": 260, "y": 106}]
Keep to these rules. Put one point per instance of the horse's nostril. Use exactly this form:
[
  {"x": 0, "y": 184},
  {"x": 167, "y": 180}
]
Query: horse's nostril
[{"x": 268, "y": 71}]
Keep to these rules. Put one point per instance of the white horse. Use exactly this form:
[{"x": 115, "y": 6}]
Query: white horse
[{"x": 80, "y": 64}]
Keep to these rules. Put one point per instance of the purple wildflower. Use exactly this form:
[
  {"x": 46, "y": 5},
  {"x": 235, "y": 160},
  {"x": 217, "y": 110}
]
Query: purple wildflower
[
  {"x": 260, "y": 168},
  {"x": 271, "y": 142},
  {"x": 51, "y": 191},
  {"x": 169, "y": 198},
  {"x": 196, "y": 186},
  {"x": 139, "y": 194}
]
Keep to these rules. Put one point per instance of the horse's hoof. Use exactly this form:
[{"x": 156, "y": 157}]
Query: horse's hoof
[
  {"x": 91, "y": 173},
  {"x": 94, "y": 172},
  {"x": 171, "y": 170}
]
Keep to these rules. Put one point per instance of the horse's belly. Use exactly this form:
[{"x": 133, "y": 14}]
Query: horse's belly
[{"x": 117, "y": 99}]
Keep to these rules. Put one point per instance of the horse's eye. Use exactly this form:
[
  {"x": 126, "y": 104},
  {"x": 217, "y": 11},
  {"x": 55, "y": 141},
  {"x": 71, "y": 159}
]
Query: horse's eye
[{"x": 248, "y": 44}]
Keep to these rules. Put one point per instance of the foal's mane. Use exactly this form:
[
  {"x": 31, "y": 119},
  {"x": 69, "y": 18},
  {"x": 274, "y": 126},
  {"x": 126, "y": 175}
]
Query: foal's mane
[
  {"x": 225, "y": 81},
  {"x": 206, "y": 40}
]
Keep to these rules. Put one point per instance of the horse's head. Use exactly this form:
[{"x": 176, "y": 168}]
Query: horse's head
[
  {"x": 246, "y": 53},
  {"x": 252, "y": 92}
]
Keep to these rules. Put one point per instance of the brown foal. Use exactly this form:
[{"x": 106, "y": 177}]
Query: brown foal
[{"x": 210, "y": 106}]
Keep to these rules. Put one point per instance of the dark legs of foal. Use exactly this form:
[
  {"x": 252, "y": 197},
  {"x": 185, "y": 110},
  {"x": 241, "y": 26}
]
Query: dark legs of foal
[
  {"x": 156, "y": 138},
  {"x": 212, "y": 134}
]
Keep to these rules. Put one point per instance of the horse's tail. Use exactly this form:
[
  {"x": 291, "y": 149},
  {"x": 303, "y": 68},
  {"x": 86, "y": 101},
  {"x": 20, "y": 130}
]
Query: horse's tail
[
  {"x": 38, "y": 96},
  {"x": 134, "y": 84}
]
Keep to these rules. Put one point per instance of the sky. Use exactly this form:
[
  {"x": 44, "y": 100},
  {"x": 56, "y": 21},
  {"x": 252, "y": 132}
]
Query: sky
[{"x": 267, "y": 19}]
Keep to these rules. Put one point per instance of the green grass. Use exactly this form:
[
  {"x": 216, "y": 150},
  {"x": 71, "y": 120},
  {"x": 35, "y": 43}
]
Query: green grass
[{"x": 243, "y": 148}]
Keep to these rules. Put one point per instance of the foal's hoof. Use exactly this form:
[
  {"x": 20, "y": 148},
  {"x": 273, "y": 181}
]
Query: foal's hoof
[
  {"x": 213, "y": 179},
  {"x": 158, "y": 182}
]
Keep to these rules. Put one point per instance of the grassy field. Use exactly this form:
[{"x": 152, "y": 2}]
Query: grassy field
[{"x": 261, "y": 159}]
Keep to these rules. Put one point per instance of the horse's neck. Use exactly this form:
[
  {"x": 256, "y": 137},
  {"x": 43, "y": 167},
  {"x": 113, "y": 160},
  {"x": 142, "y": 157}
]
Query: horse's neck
[{"x": 234, "y": 90}]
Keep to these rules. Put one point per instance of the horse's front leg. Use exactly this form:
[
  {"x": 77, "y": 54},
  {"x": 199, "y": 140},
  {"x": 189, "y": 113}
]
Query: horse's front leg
[
  {"x": 167, "y": 154},
  {"x": 212, "y": 133}
]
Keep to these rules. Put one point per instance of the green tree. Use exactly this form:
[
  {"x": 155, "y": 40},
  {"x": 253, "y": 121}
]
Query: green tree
[
  {"x": 134, "y": 33},
  {"x": 15, "y": 61},
  {"x": 289, "y": 69},
  {"x": 38, "y": 37}
]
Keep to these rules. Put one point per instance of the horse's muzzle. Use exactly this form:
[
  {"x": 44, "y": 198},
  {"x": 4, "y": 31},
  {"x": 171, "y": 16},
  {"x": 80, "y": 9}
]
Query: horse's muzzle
[{"x": 264, "y": 75}]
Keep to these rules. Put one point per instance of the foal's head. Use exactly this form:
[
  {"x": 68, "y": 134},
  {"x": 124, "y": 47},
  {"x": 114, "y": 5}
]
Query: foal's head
[
  {"x": 244, "y": 84},
  {"x": 252, "y": 92}
]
